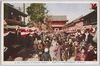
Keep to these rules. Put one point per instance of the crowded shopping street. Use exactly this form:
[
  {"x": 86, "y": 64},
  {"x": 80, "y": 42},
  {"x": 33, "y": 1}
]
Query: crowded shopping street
[
  {"x": 50, "y": 37},
  {"x": 58, "y": 46},
  {"x": 65, "y": 47}
]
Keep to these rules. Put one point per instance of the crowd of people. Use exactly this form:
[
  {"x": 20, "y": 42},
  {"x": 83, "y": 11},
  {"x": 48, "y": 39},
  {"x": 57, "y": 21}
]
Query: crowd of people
[{"x": 63, "y": 46}]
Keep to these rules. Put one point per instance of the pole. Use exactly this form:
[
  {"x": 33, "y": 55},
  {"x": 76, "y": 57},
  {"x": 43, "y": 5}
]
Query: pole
[{"x": 24, "y": 12}]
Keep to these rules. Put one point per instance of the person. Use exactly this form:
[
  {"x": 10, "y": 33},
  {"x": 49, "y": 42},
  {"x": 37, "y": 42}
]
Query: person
[
  {"x": 90, "y": 54},
  {"x": 95, "y": 53},
  {"x": 47, "y": 44},
  {"x": 66, "y": 48},
  {"x": 46, "y": 56},
  {"x": 53, "y": 45},
  {"x": 76, "y": 49},
  {"x": 36, "y": 45},
  {"x": 58, "y": 50},
  {"x": 83, "y": 43},
  {"x": 81, "y": 56},
  {"x": 87, "y": 48},
  {"x": 51, "y": 51},
  {"x": 70, "y": 46}
]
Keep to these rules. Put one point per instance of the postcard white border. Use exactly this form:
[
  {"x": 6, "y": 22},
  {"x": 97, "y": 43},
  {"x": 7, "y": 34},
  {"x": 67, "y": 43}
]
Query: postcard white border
[{"x": 50, "y": 62}]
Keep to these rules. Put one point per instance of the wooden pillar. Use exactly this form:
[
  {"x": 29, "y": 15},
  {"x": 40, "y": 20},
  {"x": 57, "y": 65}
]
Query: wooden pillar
[{"x": 24, "y": 12}]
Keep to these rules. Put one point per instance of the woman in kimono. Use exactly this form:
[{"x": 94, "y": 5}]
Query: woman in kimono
[
  {"x": 76, "y": 49},
  {"x": 81, "y": 56},
  {"x": 58, "y": 51},
  {"x": 52, "y": 48}
]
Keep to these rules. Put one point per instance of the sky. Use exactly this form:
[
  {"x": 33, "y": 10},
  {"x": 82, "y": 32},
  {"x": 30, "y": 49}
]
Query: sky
[{"x": 71, "y": 10}]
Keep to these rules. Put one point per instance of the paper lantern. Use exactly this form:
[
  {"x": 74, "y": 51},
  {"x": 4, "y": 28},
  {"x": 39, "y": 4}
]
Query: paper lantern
[
  {"x": 40, "y": 46},
  {"x": 92, "y": 30}
]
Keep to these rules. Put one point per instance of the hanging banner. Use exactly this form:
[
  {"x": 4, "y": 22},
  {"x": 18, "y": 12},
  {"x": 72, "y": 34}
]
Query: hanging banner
[
  {"x": 6, "y": 33},
  {"x": 24, "y": 33}
]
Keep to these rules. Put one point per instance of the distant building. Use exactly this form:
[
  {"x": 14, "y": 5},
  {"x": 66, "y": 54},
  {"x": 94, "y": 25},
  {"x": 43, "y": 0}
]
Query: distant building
[
  {"x": 12, "y": 15},
  {"x": 58, "y": 22},
  {"x": 87, "y": 20},
  {"x": 77, "y": 23}
]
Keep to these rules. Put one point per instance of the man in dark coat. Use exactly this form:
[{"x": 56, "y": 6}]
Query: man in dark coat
[
  {"x": 66, "y": 48},
  {"x": 46, "y": 56},
  {"x": 70, "y": 46}
]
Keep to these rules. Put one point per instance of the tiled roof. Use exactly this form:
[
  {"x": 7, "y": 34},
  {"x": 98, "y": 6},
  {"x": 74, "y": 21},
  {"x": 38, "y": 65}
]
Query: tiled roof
[{"x": 58, "y": 18}]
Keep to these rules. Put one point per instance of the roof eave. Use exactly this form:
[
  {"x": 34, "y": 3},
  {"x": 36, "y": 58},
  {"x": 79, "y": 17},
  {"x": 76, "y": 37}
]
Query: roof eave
[{"x": 23, "y": 14}]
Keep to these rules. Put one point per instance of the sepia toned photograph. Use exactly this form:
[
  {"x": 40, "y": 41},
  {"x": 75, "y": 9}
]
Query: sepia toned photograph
[{"x": 50, "y": 31}]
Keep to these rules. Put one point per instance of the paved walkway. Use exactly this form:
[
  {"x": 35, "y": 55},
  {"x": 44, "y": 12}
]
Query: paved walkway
[{"x": 35, "y": 58}]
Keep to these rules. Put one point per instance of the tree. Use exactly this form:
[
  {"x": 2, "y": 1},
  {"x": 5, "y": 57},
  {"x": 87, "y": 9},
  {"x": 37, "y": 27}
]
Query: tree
[
  {"x": 48, "y": 20},
  {"x": 36, "y": 11}
]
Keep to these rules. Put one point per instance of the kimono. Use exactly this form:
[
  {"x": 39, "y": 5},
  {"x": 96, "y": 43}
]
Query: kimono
[
  {"x": 70, "y": 50},
  {"x": 51, "y": 52},
  {"x": 80, "y": 57},
  {"x": 90, "y": 55},
  {"x": 76, "y": 49},
  {"x": 86, "y": 49},
  {"x": 54, "y": 44},
  {"x": 58, "y": 52},
  {"x": 66, "y": 49}
]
